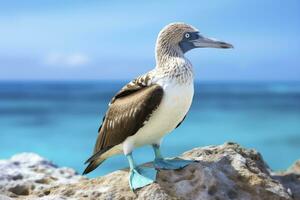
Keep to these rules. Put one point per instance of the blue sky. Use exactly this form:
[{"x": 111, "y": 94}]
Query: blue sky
[{"x": 96, "y": 40}]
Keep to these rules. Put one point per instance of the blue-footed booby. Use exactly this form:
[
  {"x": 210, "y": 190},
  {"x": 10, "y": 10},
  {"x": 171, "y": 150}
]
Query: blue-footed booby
[{"x": 152, "y": 105}]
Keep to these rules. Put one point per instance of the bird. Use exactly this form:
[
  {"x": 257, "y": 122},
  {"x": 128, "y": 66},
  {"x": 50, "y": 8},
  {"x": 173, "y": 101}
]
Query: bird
[{"x": 152, "y": 105}]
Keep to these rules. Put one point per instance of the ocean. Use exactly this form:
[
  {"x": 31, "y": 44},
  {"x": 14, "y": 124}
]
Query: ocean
[{"x": 59, "y": 121}]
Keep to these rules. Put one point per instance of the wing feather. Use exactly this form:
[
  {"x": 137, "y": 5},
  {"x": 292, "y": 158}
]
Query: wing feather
[
  {"x": 128, "y": 111},
  {"x": 127, "y": 114}
]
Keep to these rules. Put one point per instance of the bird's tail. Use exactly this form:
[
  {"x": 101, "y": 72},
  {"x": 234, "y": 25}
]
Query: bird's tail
[
  {"x": 98, "y": 158},
  {"x": 93, "y": 165}
]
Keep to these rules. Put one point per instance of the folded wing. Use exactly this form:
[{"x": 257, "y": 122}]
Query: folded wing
[{"x": 128, "y": 111}]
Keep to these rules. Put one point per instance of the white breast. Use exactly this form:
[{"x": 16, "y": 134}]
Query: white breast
[{"x": 175, "y": 104}]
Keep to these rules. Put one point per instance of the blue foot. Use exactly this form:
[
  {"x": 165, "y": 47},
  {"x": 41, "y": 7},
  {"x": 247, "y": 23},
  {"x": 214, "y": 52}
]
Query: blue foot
[
  {"x": 141, "y": 176},
  {"x": 176, "y": 163}
]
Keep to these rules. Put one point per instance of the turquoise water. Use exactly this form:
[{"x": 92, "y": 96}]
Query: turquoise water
[{"x": 59, "y": 120}]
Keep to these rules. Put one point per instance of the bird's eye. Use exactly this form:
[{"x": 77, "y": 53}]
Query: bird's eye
[{"x": 187, "y": 35}]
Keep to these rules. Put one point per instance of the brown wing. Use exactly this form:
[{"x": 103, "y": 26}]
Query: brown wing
[
  {"x": 128, "y": 111},
  {"x": 126, "y": 101},
  {"x": 127, "y": 114}
]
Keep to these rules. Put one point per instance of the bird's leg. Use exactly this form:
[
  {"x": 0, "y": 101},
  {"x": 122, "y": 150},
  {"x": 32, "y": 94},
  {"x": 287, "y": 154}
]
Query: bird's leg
[
  {"x": 162, "y": 163},
  {"x": 139, "y": 176}
]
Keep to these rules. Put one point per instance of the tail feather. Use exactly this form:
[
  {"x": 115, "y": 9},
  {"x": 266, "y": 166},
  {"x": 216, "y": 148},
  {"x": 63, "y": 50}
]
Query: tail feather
[
  {"x": 97, "y": 154},
  {"x": 100, "y": 156},
  {"x": 93, "y": 165}
]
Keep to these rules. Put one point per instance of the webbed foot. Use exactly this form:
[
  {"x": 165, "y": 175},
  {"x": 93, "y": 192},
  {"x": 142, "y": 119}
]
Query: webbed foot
[
  {"x": 141, "y": 176},
  {"x": 176, "y": 163}
]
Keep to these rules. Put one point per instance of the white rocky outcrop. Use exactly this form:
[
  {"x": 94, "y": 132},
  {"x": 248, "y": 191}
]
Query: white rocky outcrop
[
  {"x": 220, "y": 173},
  {"x": 26, "y": 173}
]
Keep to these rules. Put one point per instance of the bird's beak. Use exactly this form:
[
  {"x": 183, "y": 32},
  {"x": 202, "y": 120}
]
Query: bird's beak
[{"x": 203, "y": 42}]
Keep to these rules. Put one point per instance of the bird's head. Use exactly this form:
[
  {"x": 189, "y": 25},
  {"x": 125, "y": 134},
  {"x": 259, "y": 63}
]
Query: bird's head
[{"x": 181, "y": 38}]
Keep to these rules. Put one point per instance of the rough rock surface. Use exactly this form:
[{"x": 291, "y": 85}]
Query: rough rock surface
[
  {"x": 27, "y": 173},
  {"x": 221, "y": 172},
  {"x": 290, "y": 179}
]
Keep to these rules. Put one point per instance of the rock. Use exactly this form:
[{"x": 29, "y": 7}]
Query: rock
[
  {"x": 290, "y": 179},
  {"x": 3, "y": 197},
  {"x": 26, "y": 173},
  {"x": 220, "y": 173},
  {"x": 295, "y": 168}
]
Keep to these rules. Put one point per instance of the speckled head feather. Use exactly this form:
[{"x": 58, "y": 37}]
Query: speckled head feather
[
  {"x": 167, "y": 43},
  {"x": 173, "y": 33}
]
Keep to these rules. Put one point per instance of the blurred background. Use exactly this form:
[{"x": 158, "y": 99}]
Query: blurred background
[{"x": 62, "y": 61}]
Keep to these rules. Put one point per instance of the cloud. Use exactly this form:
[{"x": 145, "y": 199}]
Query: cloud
[{"x": 67, "y": 60}]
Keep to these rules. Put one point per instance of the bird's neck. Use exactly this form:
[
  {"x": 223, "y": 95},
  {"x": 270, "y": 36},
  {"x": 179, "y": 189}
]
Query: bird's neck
[
  {"x": 165, "y": 54},
  {"x": 171, "y": 62}
]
